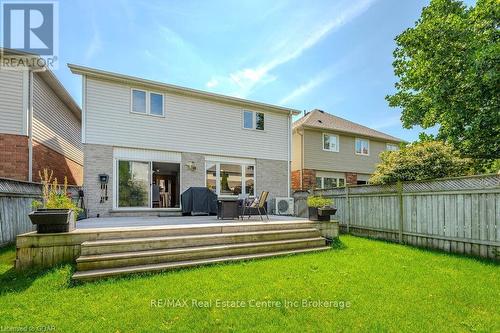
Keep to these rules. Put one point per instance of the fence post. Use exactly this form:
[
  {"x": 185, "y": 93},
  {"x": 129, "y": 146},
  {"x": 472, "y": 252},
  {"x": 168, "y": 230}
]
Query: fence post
[
  {"x": 401, "y": 214},
  {"x": 348, "y": 204}
]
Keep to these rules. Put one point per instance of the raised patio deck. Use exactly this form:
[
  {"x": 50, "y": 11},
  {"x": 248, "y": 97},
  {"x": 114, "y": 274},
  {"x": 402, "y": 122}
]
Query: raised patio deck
[
  {"x": 119, "y": 222},
  {"x": 121, "y": 245}
]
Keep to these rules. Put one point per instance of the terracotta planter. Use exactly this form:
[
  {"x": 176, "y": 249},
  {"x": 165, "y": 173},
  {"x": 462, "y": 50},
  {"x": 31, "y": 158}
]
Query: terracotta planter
[
  {"x": 53, "y": 220},
  {"x": 321, "y": 213}
]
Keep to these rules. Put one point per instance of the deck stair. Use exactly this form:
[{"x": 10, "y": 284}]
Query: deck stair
[{"x": 164, "y": 248}]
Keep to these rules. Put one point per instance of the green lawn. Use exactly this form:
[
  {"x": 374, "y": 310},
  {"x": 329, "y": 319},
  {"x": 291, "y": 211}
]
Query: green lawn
[{"x": 384, "y": 287}]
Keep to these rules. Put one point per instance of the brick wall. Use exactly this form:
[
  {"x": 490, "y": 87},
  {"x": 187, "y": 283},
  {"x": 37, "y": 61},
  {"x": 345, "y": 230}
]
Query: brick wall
[
  {"x": 98, "y": 159},
  {"x": 44, "y": 157},
  {"x": 351, "y": 178},
  {"x": 308, "y": 179},
  {"x": 296, "y": 180},
  {"x": 14, "y": 161}
]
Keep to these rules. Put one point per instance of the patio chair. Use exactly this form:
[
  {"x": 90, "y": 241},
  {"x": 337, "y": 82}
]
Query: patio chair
[{"x": 258, "y": 203}]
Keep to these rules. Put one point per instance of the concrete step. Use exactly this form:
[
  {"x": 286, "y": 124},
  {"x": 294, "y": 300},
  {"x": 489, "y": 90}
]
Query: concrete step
[
  {"x": 110, "y": 272},
  {"x": 134, "y": 258},
  {"x": 169, "y": 242},
  {"x": 198, "y": 229}
]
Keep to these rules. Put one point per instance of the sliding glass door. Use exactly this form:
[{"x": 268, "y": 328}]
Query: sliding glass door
[{"x": 134, "y": 184}]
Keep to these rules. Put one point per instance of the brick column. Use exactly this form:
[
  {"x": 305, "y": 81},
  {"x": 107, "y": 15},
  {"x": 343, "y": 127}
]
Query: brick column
[
  {"x": 351, "y": 178},
  {"x": 308, "y": 179}
]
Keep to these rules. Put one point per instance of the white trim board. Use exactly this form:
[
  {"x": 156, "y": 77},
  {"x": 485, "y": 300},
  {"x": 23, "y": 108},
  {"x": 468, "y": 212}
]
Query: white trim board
[
  {"x": 146, "y": 155},
  {"x": 226, "y": 159}
]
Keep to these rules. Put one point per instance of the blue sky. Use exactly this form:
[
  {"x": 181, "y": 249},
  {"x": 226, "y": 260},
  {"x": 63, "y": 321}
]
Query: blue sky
[{"x": 333, "y": 55}]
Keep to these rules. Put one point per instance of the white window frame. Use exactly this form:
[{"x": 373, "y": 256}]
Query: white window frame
[
  {"x": 243, "y": 178},
  {"x": 387, "y": 145},
  {"x": 162, "y": 104},
  {"x": 148, "y": 102},
  {"x": 337, "y": 146},
  {"x": 132, "y": 101},
  {"x": 337, "y": 181},
  {"x": 254, "y": 121},
  {"x": 361, "y": 153}
]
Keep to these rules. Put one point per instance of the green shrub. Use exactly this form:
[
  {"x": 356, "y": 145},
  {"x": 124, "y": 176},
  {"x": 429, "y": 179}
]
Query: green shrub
[
  {"x": 420, "y": 161},
  {"x": 319, "y": 201}
]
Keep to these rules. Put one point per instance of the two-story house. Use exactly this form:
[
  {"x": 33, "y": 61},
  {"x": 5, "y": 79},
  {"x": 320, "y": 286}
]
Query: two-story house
[
  {"x": 142, "y": 137},
  {"x": 329, "y": 151},
  {"x": 39, "y": 125}
]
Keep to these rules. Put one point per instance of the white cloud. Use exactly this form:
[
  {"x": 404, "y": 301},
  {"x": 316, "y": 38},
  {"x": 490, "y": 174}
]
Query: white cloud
[
  {"x": 242, "y": 82},
  {"x": 94, "y": 46},
  {"x": 212, "y": 83},
  {"x": 304, "y": 88}
]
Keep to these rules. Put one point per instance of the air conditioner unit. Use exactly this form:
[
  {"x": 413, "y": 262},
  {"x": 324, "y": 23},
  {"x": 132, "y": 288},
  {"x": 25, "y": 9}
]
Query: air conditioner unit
[{"x": 284, "y": 206}]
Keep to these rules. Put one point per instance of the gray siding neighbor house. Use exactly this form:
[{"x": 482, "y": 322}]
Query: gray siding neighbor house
[
  {"x": 40, "y": 126},
  {"x": 329, "y": 151},
  {"x": 154, "y": 140}
]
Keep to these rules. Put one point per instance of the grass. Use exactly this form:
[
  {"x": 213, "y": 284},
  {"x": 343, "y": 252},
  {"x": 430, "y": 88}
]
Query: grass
[{"x": 384, "y": 287}]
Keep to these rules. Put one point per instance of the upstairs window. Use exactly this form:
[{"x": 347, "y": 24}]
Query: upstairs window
[
  {"x": 138, "y": 101},
  {"x": 253, "y": 120},
  {"x": 362, "y": 147},
  {"x": 330, "y": 142},
  {"x": 146, "y": 102},
  {"x": 391, "y": 147},
  {"x": 156, "y": 104}
]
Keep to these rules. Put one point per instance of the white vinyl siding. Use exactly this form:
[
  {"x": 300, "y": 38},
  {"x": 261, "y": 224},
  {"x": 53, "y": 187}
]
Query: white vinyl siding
[
  {"x": 54, "y": 124},
  {"x": 189, "y": 125},
  {"x": 11, "y": 102}
]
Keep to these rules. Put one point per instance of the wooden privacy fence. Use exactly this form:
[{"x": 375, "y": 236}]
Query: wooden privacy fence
[
  {"x": 15, "y": 204},
  {"x": 460, "y": 215}
]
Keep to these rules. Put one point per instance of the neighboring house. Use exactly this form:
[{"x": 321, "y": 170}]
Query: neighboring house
[
  {"x": 150, "y": 141},
  {"x": 39, "y": 127},
  {"x": 329, "y": 151}
]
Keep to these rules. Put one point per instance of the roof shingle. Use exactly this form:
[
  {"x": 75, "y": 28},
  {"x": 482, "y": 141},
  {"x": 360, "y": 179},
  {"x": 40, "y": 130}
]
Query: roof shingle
[{"x": 322, "y": 120}]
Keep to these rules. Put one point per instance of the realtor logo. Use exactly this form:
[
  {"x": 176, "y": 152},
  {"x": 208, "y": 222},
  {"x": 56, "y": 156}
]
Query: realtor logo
[{"x": 31, "y": 27}]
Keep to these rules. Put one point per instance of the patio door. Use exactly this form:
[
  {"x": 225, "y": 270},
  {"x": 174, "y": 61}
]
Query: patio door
[
  {"x": 134, "y": 180},
  {"x": 146, "y": 184}
]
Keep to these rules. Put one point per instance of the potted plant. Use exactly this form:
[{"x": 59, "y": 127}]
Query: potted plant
[
  {"x": 320, "y": 208},
  {"x": 56, "y": 212}
]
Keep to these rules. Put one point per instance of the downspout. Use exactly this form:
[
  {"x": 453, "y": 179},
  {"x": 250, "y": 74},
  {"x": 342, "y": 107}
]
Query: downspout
[
  {"x": 289, "y": 151},
  {"x": 30, "y": 127}
]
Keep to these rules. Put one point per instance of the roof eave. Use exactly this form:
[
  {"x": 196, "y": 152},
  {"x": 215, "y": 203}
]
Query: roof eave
[{"x": 82, "y": 70}]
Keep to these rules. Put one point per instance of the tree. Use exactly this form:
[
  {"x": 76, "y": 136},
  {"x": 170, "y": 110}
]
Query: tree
[
  {"x": 420, "y": 161},
  {"x": 448, "y": 67}
]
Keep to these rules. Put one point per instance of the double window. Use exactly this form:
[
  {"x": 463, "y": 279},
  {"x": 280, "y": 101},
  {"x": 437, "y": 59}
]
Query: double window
[
  {"x": 230, "y": 179},
  {"x": 253, "y": 120},
  {"x": 147, "y": 102},
  {"x": 362, "y": 147},
  {"x": 391, "y": 147},
  {"x": 330, "y": 142},
  {"x": 329, "y": 182}
]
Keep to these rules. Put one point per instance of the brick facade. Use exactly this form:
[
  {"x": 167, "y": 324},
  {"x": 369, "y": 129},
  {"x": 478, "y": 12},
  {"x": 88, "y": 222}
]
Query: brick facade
[
  {"x": 44, "y": 157},
  {"x": 14, "y": 161},
  {"x": 351, "y": 178},
  {"x": 308, "y": 179},
  {"x": 296, "y": 180}
]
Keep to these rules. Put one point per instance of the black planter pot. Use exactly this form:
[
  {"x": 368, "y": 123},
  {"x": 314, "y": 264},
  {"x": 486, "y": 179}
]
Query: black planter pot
[
  {"x": 53, "y": 220},
  {"x": 321, "y": 214}
]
